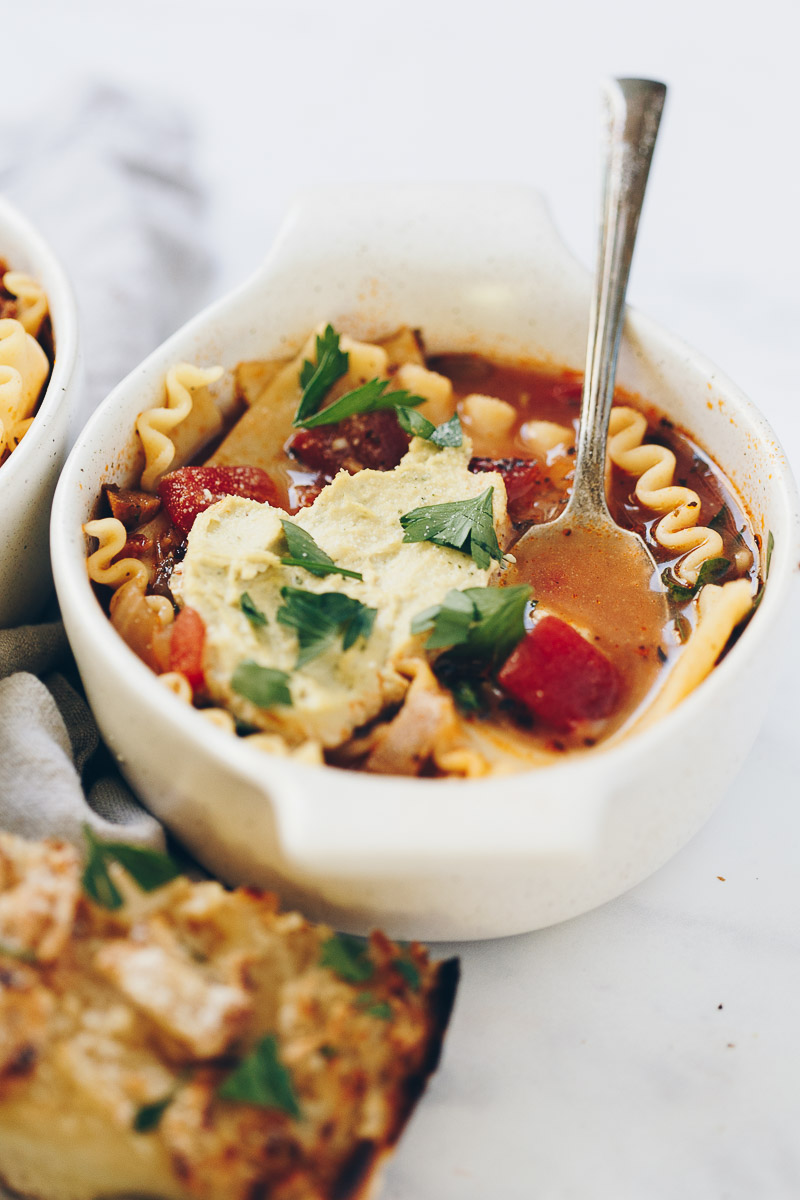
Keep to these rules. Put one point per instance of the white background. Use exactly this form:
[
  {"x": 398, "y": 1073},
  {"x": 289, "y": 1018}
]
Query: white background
[{"x": 651, "y": 1049}]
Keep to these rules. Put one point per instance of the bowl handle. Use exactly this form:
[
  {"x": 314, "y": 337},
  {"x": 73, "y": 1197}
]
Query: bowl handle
[
  {"x": 347, "y": 823},
  {"x": 361, "y": 226}
]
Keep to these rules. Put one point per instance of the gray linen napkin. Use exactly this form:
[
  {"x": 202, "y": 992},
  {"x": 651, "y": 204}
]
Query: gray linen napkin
[
  {"x": 110, "y": 183},
  {"x": 50, "y": 747}
]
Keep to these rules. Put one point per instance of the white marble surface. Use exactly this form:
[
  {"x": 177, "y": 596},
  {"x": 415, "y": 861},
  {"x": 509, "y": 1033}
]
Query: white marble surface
[{"x": 652, "y": 1048}]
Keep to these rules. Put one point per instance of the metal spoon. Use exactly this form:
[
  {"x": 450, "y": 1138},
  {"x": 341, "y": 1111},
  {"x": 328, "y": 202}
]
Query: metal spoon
[{"x": 582, "y": 565}]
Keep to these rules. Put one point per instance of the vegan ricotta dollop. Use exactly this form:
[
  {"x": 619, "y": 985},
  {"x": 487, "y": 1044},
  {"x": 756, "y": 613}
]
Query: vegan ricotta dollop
[{"x": 235, "y": 548}]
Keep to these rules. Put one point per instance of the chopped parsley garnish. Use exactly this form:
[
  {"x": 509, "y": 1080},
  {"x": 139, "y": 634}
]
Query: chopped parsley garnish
[
  {"x": 262, "y": 1079},
  {"x": 370, "y": 397},
  {"x": 316, "y": 380},
  {"x": 770, "y": 548},
  {"x": 465, "y": 525},
  {"x": 711, "y": 570},
  {"x": 253, "y": 613},
  {"x": 148, "y": 869},
  {"x": 486, "y": 623},
  {"x": 409, "y": 971},
  {"x": 449, "y": 433},
  {"x": 719, "y": 521},
  {"x": 304, "y": 552},
  {"x": 328, "y": 1052},
  {"x": 466, "y": 693},
  {"x": 264, "y": 686},
  {"x": 347, "y": 957},
  {"x": 723, "y": 524},
  {"x": 148, "y": 1117},
  {"x": 380, "y": 1009},
  {"x": 683, "y": 628},
  {"x": 321, "y": 617},
  {"x": 21, "y": 954}
]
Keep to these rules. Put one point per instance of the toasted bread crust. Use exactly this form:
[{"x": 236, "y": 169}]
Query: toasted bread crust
[{"x": 157, "y": 1003}]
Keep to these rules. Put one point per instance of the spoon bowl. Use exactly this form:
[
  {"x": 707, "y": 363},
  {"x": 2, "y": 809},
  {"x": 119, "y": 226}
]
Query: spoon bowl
[{"x": 583, "y": 567}]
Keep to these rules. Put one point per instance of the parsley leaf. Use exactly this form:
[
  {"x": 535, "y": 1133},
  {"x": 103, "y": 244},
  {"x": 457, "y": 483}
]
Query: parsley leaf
[
  {"x": 264, "y": 686},
  {"x": 409, "y": 971},
  {"x": 347, "y": 957},
  {"x": 320, "y": 617},
  {"x": 723, "y": 524},
  {"x": 148, "y": 1117},
  {"x": 262, "y": 1079},
  {"x": 382, "y": 1009},
  {"x": 450, "y": 621},
  {"x": 720, "y": 520},
  {"x": 465, "y": 525},
  {"x": 304, "y": 552},
  {"x": 371, "y": 397},
  {"x": 683, "y": 629},
  {"x": 148, "y": 869},
  {"x": 466, "y": 693},
  {"x": 253, "y": 613},
  {"x": 449, "y": 433},
  {"x": 20, "y": 954},
  {"x": 485, "y": 623},
  {"x": 711, "y": 570},
  {"x": 770, "y": 548},
  {"x": 317, "y": 380}
]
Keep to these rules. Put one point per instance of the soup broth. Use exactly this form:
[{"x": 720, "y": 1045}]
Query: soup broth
[{"x": 515, "y": 685}]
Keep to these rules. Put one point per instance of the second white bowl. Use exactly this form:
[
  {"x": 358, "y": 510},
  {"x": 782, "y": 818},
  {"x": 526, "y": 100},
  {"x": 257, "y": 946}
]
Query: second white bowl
[{"x": 29, "y": 475}]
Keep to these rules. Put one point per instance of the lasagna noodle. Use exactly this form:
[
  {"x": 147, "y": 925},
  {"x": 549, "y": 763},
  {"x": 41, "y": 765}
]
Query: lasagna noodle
[
  {"x": 103, "y": 565},
  {"x": 23, "y": 371},
  {"x": 144, "y": 622},
  {"x": 155, "y": 426},
  {"x": 31, "y": 300},
  {"x": 272, "y": 743},
  {"x": 678, "y": 530},
  {"x": 719, "y": 611}
]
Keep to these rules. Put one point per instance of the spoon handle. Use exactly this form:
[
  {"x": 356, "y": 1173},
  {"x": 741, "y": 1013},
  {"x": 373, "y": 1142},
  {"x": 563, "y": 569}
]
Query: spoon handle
[{"x": 634, "y": 111}]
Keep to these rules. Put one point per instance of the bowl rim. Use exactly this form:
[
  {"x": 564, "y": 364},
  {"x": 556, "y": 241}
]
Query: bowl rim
[
  {"x": 68, "y": 554},
  {"x": 48, "y": 271}
]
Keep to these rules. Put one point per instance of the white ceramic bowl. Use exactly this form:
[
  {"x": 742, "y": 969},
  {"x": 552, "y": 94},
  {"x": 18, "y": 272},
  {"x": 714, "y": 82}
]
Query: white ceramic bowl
[
  {"x": 29, "y": 475},
  {"x": 477, "y": 269}
]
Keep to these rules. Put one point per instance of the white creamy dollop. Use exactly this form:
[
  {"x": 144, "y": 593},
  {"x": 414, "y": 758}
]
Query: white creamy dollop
[{"x": 236, "y": 546}]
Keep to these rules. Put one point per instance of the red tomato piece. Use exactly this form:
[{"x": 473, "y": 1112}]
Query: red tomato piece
[
  {"x": 186, "y": 647},
  {"x": 191, "y": 490},
  {"x": 524, "y": 479},
  {"x": 560, "y": 676},
  {"x": 306, "y": 493},
  {"x": 373, "y": 440},
  {"x": 137, "y": 546}
]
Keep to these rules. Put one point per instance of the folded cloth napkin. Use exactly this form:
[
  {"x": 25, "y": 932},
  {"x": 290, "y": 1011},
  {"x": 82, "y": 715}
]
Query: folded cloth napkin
[
  {"x": 50, "y": 748},
  {"x": 109, "y": 180}
]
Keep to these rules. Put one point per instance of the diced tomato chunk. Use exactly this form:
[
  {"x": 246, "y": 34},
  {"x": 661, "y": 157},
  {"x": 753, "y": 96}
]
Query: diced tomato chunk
[
  {"x": 373, "y": 440},
  {"x": 524, "y": 478},
  {"x": 137, "y": 546},
  {"x": 186, "y": 647},
  {"x": 191, "y": 490},
  {"x": 560, "y": 676},
  {"x": 306, "y": 493}
]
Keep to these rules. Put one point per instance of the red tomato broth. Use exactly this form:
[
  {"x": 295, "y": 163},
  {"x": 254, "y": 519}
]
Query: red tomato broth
[{"x": 537, "y": 394}]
